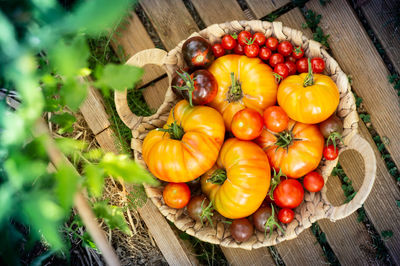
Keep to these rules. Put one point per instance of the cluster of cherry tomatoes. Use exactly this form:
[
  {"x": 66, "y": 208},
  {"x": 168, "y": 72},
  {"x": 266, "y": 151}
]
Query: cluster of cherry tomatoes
[{"x": 284, "y": 58}]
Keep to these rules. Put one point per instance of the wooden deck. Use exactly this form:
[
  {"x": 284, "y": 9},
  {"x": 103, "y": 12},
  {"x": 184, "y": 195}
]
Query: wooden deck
[{"x": 174, "y": 20}]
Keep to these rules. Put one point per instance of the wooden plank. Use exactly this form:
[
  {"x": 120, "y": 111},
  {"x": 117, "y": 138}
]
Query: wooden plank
[
  {"x": 132, "y": 37},
  {"x": 262, "y": 8},
  {"x": 347, "y": 237},
  {"x": 171, "y": 20},
  {"x": 166, "y": 240},
  {"x": 256, "y": 257},
  {"x": 227, "y": 10},
  {"x": 381, "y": 15},
  {"x": 358, "y": 57},
  {"x": 154, "y": 94},
  {"x": 93, "y": 107},
  {"x": 303, "y": 250},
  {"x": 380, "y": 206}
]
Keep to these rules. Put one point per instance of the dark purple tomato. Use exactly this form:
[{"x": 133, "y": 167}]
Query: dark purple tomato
[
  {"x": 178, "y": 81},
  {"x": 260, "y": 218},
  {"x": 241, "y": 229},
  {"x": 331, "y": 125},
  {"x": 197, "y": 52},
  {"x": 196, "y": 206}
]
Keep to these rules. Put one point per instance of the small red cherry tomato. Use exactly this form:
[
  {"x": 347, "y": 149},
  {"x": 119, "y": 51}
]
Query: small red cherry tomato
[
  {"x": 244, "y": 37},
  {"x": 291, "y": 58},
  {"x": 247, "y": 124},
  {"x": 291, "y": 66},
  {"x": 259, "y": 38},
  {"x": 302, "y": 65},
  {"x": 289, "y": 194},
  {"x": 239, "y": 49},
  {"x": 176, "y": 195},
  {"x": 317, "y": 64},
  {"x": 218, "y": 50},
  {"x": 285, "y": 215},
  {"x": 330, "y": 152},
  {"x": 265, "y": 53},
  {"x": 282, "y": 70},
  {"x": 313, "y": 182},
  {"x": 275, "y": 118},
  {"x": 276, "y": 59},
  {"x": 285, "y": 48},
  {"x": 251, "y": 50},
  {"x": 272, "y": 43},
  {"x": 298, "y": 52},
  {"x": 228, "y": 42}
]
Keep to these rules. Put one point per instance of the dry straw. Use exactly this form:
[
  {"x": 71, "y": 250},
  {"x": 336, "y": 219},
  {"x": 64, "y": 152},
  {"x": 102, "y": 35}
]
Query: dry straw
[{"x": 315, "y": 205}]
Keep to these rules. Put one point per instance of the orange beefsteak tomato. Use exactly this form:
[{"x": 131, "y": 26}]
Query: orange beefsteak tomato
[
  {"x": 188, "y": 144},
  {"x": 239, "y": 182},
  {"x": 308, "y": 99},
  {"x": 296, "y": 151},
  {"x": 242, "y": 82}
]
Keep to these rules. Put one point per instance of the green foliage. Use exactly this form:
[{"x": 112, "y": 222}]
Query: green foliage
[
  {"x": 45, "y": 58},
  {"x": 387, "y": 234},
  {"x": 321, "y": 238},
  {"x": 395, "y": 80},
  {"x": 312, "y": 22}
]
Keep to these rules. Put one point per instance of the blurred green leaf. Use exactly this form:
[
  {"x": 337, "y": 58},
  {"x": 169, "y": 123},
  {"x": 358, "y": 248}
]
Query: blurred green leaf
[
  {"x": 95, "y": 17},
  {"x": 69, "y": 59},
  {"x": 94, "y": 154},
  {"x": 69, "y": 146},
  {"x": 44, "y": 215},
  {"x": 124, "y": 167},
  {"x": 65, "y": 121},
  {"x": 113, "y": 216},
  {"x": 119, "y": 77},
  {"x": 13, "y": 132},
  {"x": 66, "y": 186},
  {"x": 74, "y": 93},
  {"x": 95, "y": 179},
  {"x": 6, "y": 202}
]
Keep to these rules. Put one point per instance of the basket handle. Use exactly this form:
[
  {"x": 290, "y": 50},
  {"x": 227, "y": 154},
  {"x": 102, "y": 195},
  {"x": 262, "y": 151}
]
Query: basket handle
[
  {"x": 359, "y": 144},
  {"x": 152, "y": 56}
]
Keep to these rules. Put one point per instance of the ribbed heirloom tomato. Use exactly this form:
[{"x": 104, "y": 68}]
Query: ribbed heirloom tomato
[
  {"x": 239, "y": 182},
  {"x": 188, "y": 144},
  {"x": 296, "y": 151},
  {"x": 242, "y": 82}
]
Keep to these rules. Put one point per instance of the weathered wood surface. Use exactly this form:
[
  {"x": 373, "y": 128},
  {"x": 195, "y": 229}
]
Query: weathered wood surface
[
  {"x": 257, "y": 257},
  {"x": 346, "y": 237},
  {"x": 262, "y": 8},
  {"x": 132, "y": 37},
  {"x": 154, "y": 94},
  {"x": 94, "y": 110},
  {"x": 167, "y": 241},
  {"x": 227, "y": 10},
  {"x": 358, "y": 57},
  {"x": 380, "y": 206},
  {"x": 171, "y": 20},
  {"x": 381, "y": 16}
]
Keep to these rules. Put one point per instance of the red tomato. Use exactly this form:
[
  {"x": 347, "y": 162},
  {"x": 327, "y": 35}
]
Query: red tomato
[
  {"x": 218, "y": 50},
  {"x": 285, "y": 215},
  {"x": 259, "y": 38},
  {"x": 282, "y": 70},
  {"x": 176, "y": 195},
  {"x": 275, "y": 118},
  {"x": 330, "y": 152},
  {"x": 291, "y": 58},
  {"x": 265, "y": 53},
  {"x": 302, "y": 65},
  {"x": 251, "y": 50},
  {"x": 243, "y": 37},
  {"x": 239, "y": 49},
  {"x": 289, "y": 194},
  {"x": 285, "y": 48},
  {"x": 276, "y": 59},
  {"x": 228, "y": 42},
  {"x": 313, "y": 182},
  {"x": 317, "y": 64},
  {"x": 298, "y": 52},
  {"x": 291, "y": 66},
  {"x": 247, "y": 124},
  {"x": 272, "y": 43}
]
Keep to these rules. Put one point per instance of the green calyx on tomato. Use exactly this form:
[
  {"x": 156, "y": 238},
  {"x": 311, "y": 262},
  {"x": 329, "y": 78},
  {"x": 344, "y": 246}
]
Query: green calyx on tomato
[
  {"x": 218, "y": 177},
  {"x": 206, "y": 212},
  {"x": 309, "y": 79},
  {"x": 188, "y": 85},
  {"x": 333, "y": 137},
  {"x": 174, "y": 130},
  {"x": 285, "y": 139},
  {"x": 235, "y": 92},
  {"x": 269, "y": 224},
  {"x": 275, "y": 180}
]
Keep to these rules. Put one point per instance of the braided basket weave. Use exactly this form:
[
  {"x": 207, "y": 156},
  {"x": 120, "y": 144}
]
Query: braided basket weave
[{"x": 315, "y": 205}]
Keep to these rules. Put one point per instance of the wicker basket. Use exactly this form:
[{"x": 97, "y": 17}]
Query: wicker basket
[{"x": 315, "y": 205}]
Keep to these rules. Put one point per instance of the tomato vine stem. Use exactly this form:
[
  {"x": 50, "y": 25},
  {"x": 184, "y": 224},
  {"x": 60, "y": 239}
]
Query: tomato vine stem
[
  {"x": 188, "y": 86},
  {"x": 174, "y": 130},
  {"x": 309, "y": 79},
  {"x": 235, "y": 92},
  {"x": 218, "y": 177}
]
